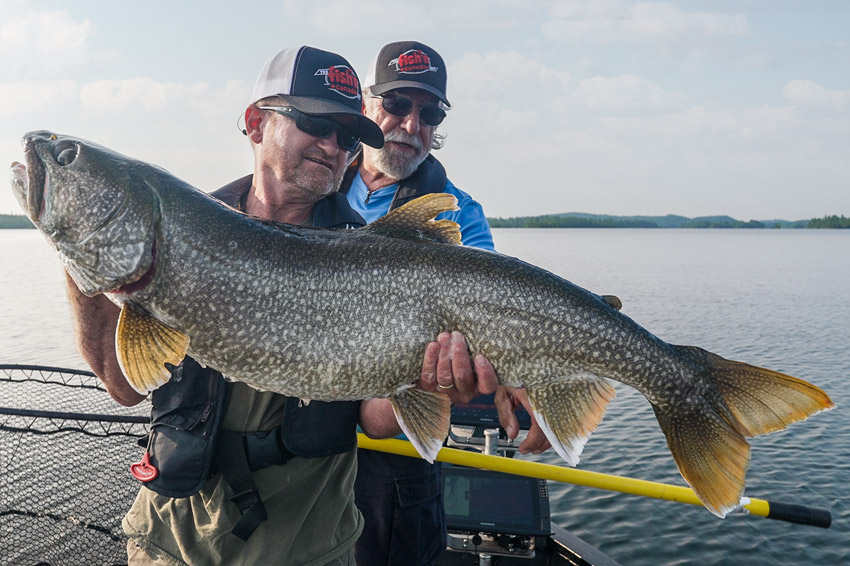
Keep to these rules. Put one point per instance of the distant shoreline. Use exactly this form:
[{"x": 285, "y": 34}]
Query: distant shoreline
[{"x": 584, "y": 220}]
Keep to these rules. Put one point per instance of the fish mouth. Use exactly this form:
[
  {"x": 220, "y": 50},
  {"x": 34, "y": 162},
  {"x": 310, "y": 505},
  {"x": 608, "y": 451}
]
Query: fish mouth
[{"x": 29, "y": 181}]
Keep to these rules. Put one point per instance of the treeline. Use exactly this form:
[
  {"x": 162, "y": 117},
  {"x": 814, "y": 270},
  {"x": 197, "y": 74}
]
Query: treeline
[
  {"x": 830, "y": 222},
  {"x": 550, "y": 221},
  {"x": 15, "y": 221},
  {"x": 723, "y": 224}
]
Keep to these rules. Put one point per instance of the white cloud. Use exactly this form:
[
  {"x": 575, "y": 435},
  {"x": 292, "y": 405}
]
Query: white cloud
[
  {"x": 507, "y": 74},
  {"x": 708, "y": 126},
  {"x": 35, "y": 97},
  {"x": 139, "y": 93},
  {"x": 39, "y": 42},
  {"x": 518, "y": 80},
  {"x": 358, "y": 19},
  {"x": 809, "y": 93},
  {"x": 626, "y": 92},
  {"x": 609, "y": 21}
]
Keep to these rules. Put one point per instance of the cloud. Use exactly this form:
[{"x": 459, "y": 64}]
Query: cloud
[
  {"x": 809, "y": 93},
  {"x": 359, "y": 19},
  {"x": 507, "y": 74},
  {"x": 34, "y": 97},
  {"x": 139, "y": 93},
  {"x": 511, "y": 77},
  {"x": 41, "y": 42},
  {"x": 626, "y": 92},
  {"x": 618, "y": 21}
]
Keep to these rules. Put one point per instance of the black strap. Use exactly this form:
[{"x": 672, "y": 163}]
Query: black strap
[{"x": 231, "y": 457}]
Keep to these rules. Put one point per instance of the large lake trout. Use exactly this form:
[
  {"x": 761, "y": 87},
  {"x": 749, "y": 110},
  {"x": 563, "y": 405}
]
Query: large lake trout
[{"x": 341, "y": 315}]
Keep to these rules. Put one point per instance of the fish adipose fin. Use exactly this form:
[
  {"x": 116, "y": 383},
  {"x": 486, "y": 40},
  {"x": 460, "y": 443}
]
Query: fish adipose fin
[
  {"x": 706, "y": 430},
  {"x": 569, "y": 410},
  {"x": 425, "y": 417},
  {"x": 415, "y": 220},
  {"x": 144, "y": 345}
]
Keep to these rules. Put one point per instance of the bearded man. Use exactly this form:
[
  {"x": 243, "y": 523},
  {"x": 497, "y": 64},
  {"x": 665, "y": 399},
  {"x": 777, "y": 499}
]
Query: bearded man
[{"x": 401, "y": 497}]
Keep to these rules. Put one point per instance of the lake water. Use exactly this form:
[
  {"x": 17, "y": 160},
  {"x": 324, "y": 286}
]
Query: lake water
[{"x": 776, "y": 298}]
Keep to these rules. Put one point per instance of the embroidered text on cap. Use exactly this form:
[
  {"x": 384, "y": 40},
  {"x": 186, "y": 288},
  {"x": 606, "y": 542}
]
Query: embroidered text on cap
[
  {"x": 413, "y": 62},
  {"x": 342, "y": 80}
]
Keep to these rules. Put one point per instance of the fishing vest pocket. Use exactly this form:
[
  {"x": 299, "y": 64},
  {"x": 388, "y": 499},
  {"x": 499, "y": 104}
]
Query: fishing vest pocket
[
  {"x": 185, "y": 416},
  {"x": 320, "y": 428}
]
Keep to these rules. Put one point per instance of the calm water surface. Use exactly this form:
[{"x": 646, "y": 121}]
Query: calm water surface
[{"x": 777, "y": 298}]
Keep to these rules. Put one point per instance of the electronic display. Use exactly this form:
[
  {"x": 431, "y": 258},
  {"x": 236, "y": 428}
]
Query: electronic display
[
  {"x": 482, "y": 412},
  {"x": 488, "y": 501}
]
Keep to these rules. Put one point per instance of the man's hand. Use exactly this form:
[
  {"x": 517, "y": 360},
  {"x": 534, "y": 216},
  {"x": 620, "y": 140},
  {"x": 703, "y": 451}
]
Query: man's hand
[
  {"x": 95, "y": 319},
  {"x": 447, "y": 369},
  {"x": 507, "y": 400}
]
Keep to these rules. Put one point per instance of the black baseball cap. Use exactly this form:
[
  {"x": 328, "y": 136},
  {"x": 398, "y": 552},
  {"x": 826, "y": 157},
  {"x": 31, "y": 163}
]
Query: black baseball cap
[
  {"x": 316, "y": 82},
  {"x": 407, "y": 64}
]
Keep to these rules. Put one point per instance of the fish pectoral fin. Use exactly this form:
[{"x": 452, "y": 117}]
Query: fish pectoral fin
[
  {"x": 144, "y": 345},
  {"x": 415, "y": 220},
  {"x": 425, "y": 417},
  {"x": 568, "y": 410}
]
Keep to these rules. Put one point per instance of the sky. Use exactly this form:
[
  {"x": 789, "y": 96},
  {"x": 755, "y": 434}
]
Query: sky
[{"x": 616, "y": 107}]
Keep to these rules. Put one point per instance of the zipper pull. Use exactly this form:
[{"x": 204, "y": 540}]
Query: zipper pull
[
  {"x": 143, "y": 470},
  {"x": 206, "y": 414},
  {"x": 368, "y": 194}
]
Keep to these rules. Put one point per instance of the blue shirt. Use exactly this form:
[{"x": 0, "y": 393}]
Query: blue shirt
[{"x": 474, "y": 230}]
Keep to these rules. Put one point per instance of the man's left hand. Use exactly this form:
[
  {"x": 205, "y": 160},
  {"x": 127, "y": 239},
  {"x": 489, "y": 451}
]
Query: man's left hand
[{"x": 447, "y": 369}]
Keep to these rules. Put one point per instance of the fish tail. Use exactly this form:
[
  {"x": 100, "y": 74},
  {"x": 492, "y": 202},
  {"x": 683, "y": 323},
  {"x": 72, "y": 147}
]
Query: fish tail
[
  {"x": 706, "y": 431},
  {"x": 568, "y": 410}
]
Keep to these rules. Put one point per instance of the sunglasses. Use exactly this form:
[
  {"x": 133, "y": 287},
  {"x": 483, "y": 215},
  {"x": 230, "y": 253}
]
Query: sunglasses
[
  {"x": 401, "y": 106},
  {"x": 318, "y": 126}
]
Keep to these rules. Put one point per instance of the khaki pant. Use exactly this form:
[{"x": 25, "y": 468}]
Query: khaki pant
[{"x": 138, "y": 556}]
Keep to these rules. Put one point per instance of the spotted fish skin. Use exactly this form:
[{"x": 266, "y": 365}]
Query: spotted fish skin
[{"x": 341, "y": 315}]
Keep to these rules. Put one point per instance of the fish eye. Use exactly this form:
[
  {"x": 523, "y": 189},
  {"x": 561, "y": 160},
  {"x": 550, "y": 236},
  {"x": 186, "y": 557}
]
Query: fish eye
[{"x": 65, "y": 153}]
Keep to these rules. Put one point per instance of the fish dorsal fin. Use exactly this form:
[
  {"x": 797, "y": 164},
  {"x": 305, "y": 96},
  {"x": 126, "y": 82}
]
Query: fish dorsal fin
[
  {"x": 415, "y": 220},
  {"x": 144, "y": 345}
]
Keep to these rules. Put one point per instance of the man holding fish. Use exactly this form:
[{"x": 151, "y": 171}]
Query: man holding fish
[
  {"x": 339, "y": 316},
  {"x": 285, "y": 486}
]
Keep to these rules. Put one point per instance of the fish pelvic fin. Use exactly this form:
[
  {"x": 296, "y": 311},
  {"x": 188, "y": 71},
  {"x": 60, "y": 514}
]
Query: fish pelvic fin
[
  {"x": 569, "y": 410},
  {"x": 707, "y": 431},
  {"x": 415, "y": 220},
  {"x": 425, "y": 417},
  {"x": 144, "y": 345}
]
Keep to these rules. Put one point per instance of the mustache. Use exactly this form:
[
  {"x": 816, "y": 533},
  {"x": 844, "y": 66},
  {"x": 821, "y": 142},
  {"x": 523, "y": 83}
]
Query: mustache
[{"x": 403, "y": 137}]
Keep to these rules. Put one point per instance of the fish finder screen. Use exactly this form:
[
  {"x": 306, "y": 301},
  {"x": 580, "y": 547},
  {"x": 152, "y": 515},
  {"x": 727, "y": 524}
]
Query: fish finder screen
[
  {"x": 483, "y": 500},
  {"x": 481, "y": 411}
]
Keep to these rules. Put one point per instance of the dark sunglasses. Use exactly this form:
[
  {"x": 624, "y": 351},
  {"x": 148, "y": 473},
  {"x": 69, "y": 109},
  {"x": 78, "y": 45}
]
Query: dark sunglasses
[
  {"x": 318, "y": 126},
  {"x": 401, "y": 106}
]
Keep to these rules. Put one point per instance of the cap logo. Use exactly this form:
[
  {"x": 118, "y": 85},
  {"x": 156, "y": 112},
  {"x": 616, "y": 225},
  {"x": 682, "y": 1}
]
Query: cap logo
[
  {"x": 342, "y": 80},
  {"x": 413, "y": 62}
]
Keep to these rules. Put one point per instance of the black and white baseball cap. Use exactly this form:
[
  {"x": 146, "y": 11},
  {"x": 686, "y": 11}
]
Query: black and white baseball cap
[
  {"x": 407, "y": 64},
  {"x": 316, "y": 82}
]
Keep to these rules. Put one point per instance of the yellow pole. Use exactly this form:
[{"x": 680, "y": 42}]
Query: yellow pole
[{"x": 609, "y": 482}]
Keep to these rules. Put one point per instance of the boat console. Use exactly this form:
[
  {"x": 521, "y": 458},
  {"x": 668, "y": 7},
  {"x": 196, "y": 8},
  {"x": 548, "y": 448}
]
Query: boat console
[
  {"x": 491, "y": 513},
  {"x": 494, "y": 513}
]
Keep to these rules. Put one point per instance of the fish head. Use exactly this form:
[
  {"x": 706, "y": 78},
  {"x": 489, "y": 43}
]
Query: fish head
[{"x": 95, "y": 206}]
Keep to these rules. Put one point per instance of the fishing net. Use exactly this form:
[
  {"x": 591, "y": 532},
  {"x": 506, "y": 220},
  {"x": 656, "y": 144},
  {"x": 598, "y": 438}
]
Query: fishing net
[{"x": 65, "y": 450}]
